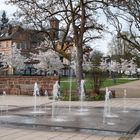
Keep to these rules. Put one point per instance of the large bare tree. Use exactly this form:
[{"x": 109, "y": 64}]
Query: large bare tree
[
  {"x": 125, "y": 17},
  {"x": 80, "y": 19},
  {"x": 77, "y": 17}
]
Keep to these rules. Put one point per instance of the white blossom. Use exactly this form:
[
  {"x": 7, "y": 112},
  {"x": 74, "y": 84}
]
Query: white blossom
[
  {"x": 103, "y": 65},
  {"x": 14, "y": 59},
  {"x": 124, "y": 65},
  {"x": 128, "y": 67},
  {"x": 48, "y": 61},
  {"x": 114, "y": 66}
]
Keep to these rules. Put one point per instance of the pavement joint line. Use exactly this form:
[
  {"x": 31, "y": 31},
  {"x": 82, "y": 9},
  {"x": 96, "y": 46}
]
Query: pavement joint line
[
  {"x": 131, "y": 104},
  {"x": 55, "y": 136},
  {"x": 31, "y": 132},
  {"x": 88, "y": 137},
  {"x": 71, "y": 137},
  {"x": 11, "y": 132}
]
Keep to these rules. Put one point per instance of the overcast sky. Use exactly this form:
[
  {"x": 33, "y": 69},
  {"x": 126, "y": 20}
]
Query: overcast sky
[
  {"x": 100, "y": 44},
  {"x": 8, "y": 8}
]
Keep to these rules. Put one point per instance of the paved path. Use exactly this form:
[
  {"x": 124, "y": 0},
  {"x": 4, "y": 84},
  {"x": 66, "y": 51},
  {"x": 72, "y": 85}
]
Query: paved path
[
  {"x": 24, "y": 134},
  {"x": 132, "y": 88},
  {"x": 9, "y": 133}
]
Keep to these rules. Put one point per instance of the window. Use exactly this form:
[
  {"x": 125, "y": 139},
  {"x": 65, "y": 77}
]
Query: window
[{"x": 7, "y": 44}]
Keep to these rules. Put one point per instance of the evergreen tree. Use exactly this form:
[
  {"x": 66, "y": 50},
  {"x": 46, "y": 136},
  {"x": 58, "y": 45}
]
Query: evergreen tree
[{"x": 4, "y": 19}]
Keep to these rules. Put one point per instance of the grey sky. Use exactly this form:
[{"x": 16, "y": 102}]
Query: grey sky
[
  {"x": 99, "y": 45},
  {"x": 8, "y": 8}
]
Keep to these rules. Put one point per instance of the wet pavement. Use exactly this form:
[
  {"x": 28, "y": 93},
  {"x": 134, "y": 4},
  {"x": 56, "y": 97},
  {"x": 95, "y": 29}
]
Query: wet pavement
[{"x": 18, "y": 108}]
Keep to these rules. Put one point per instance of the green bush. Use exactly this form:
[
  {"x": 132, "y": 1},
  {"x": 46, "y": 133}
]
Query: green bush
[
  {"x": 65, "y": 97},
  {"x": 95, "y": 97},
  {"x": 75, "y": 97}
]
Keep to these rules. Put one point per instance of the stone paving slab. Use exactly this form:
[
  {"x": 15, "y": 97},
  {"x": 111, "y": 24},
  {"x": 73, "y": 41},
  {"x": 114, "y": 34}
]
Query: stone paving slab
[
  {"x": 24, "y": 134},
  {"x": 132, "y": 103},
  {"x": 22, "y": 101},
  {"x": 91, "y": 119},
  {"x": 28, "y": 101},
  {"x": 132, "y": 88},
  {"x": 27, "y": 134}
]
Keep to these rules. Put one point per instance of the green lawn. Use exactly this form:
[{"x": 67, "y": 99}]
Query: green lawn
[
  {"x": 109, "y": 82},
  {"x": 65, "y": 83}
]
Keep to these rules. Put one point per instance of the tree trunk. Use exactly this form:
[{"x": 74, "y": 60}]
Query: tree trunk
[{"x": 79, "y": 69}]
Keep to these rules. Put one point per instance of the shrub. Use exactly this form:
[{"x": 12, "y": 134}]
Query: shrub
[
  {"x": 65, "y": 97},
  {"x": 95, "y": 97}
]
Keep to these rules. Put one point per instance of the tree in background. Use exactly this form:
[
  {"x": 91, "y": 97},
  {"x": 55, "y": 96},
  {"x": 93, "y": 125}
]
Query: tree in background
[
  {"x": 80, "y": 19},
  {"x": 126, "y": 13},
  {"x": 14, "y": 60},
  {"x": 75, "y": 16},
  {"x": 128, "y": 67},
  {"x": 4, "y": 19},
  {"x": 92, "y": 70},
  {"x": 122, "y": 49},
  {"x": 114, "y": 69},
  {"x": 48, "y": 61},
  {"x": 96, "y": 57}
]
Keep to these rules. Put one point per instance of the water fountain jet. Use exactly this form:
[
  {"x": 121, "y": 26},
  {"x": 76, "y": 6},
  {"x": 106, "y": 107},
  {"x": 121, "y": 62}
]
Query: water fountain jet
[
  {"x": 35, "y": 94},
  {"x": 124, "y": 102},
  {"x": 107, "y": 109},
  {"x": 56, "y": 94}
]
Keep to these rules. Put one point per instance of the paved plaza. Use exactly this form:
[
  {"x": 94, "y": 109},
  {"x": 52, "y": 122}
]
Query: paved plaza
[{"x": 22, "y": 133}]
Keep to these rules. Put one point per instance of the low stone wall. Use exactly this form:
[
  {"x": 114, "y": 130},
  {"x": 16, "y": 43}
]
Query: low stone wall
[{"x": 24, "y": 85}]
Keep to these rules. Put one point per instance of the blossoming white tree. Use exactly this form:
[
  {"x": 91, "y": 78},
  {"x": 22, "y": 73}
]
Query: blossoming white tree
[
  {"x": 114, "y": 66},
  {"x": 128, "y": 67},
  {"x": 14, "y": 60},
  {"x": 103, "y": 65},
  {"x": 132, "y": 67},
  {"x": 124, "y": 65},
  {"x": 48, "y": 61}
]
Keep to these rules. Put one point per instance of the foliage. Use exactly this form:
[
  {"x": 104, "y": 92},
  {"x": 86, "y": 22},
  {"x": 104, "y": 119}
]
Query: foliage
[
  {"x": 81, "y": 20},
  {"x": 108, "y": 82},
  {"x": 127, "y": 67},
  {"x": 14, "y": 60},
  {"x": 95, "y": 97},
  {"x": 96, "y": 57},
  {"x": 65, "y": 83},
  {"x": 4, "y": 19},
  {"x": 75, "y": 16},
  {"x": 97, "y": 77},
  {"x": 75, "y": 97},
  {"x": 65, "y": 97},
  {"x": 89, "y": 95},
  {"x": 48, "y": 61}
]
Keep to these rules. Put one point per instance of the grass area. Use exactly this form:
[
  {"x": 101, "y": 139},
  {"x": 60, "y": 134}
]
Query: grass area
[
  {"x": 109, "y": 82},
  {"x": 65, "y": 83},
  {"x": 65, "y": 88}
]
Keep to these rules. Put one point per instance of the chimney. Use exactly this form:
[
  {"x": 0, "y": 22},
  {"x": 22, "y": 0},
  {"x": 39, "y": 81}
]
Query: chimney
[{"x": 54, "y": 28}]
